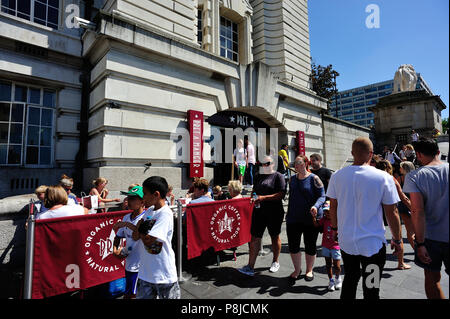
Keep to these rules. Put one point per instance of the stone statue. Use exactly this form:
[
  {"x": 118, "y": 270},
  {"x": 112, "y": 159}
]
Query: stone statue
[{"x": 405, "y": 79}]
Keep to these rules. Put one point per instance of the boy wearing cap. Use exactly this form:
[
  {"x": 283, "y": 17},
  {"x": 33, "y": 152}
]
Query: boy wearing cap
[
  {"x": 330, "y": 249},
  {"x": 124, "y": 229}
]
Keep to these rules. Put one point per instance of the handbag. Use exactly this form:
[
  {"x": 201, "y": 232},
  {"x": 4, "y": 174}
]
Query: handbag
[{"x": 90, "y": 202}]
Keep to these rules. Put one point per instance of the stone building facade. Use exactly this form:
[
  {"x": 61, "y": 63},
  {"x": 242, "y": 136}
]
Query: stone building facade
[
  {"x": 112, "y": 96},
  {"x": 118, "y": 90}
]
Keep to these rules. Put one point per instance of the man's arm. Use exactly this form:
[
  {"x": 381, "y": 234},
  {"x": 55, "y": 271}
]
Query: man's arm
[
  {"x": 418, "y": 216},
  {"x": 393, "y": 220},
  {"x": 418, "y": 219}
]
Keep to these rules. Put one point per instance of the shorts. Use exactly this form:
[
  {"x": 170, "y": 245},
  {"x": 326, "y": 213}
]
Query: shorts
[
  {"x": 241, "y": 170},
  {"x": 131, "y": 282},
  {"x": 295, "y": 231},
  {"x": 335, "y": 254},
  {"x": 402, "y": 209},
  {"x": 438, "y": 252},
  {"x": 270, "y": 218},
  {"x": 147, "y": 290}
]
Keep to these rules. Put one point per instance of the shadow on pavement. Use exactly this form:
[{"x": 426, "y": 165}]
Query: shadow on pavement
[{"x": 274, "y": 286}]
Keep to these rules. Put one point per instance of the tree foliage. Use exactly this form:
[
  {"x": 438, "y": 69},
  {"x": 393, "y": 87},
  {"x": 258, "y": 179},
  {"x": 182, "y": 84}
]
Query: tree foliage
[
  {"x": 322, "y": 80},
  {"x": 445, "y": 125}
]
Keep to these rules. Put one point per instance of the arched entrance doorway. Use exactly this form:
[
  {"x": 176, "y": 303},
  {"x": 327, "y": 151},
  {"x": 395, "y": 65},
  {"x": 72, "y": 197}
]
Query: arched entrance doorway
[{"x": 230, "y": 125}]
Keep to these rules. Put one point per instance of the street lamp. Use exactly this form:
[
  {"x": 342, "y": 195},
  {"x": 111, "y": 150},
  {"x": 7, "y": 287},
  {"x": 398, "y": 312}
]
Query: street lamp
[{"x": 335, "y": 94}]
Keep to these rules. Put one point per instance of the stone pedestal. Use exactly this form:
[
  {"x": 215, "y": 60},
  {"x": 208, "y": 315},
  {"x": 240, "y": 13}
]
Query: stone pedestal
[{"x": 397, "y": 114}]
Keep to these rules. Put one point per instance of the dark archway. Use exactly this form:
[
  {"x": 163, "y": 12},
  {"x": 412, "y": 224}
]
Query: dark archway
[{"x": 243, "y": 118}]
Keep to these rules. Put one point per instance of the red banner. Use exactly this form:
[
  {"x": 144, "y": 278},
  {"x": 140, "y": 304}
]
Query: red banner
[
  {"x": 220, "y": 224},
  {"x": 73, "y": 253},
  {"x": 300, "y": 135},
  {"x": 195, "y": 120}
]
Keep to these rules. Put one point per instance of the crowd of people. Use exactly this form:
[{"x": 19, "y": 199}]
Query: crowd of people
[
  {"x": 361, "y": 197},
  {"x": 354, "y": 202}
]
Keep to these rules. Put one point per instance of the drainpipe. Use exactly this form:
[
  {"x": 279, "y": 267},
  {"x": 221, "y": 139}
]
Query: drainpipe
[
  {"x": 322, "y": 112},
  {"x": 85, "y": 78}
]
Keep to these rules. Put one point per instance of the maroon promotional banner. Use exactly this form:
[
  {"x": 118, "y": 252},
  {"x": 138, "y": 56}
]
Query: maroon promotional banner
[
  {"x": 195, "y": 120},
  {"x": 73, "y": 253},
  {"x": 300, "y": 135},
  {"x": 220, "y": 224}
]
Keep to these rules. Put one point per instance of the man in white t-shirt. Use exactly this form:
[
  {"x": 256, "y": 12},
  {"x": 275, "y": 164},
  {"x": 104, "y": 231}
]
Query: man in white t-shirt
[
  {"x": 157, "y": 272},
  {"x": 358, "y": 194}
]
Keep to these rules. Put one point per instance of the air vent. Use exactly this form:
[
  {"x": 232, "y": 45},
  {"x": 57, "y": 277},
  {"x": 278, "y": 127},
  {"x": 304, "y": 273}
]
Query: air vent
[{"x": 24, "y": 183}]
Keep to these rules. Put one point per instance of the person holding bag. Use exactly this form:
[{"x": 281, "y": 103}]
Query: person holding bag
[
  {"x": 101, "y": 192},
  {"x": 306, "y": 198}
]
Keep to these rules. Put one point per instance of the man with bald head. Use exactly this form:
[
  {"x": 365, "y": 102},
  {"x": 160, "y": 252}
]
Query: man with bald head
[{"x": 358, "y": 194}]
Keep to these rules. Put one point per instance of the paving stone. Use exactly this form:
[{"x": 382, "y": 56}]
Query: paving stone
[{"x": 222, "y": 282}]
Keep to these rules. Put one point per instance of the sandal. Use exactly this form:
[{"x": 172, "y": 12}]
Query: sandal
[
  {"x": 404, "y": 267},
  {"x": 309, "y": 278},
  {"x": 296, "y": 278}
]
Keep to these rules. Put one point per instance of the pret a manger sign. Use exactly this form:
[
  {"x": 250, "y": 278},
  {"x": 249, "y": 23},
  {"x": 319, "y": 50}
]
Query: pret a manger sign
[{"x": 195, "y": 119}]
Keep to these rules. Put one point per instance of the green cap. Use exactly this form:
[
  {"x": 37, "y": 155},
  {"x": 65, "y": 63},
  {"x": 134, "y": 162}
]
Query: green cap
[{"x": 135, "y": 191}]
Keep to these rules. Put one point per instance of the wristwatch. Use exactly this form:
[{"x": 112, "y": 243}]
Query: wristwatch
[
  {"x": 396, "y": 241},
  {"x": 419, "y": 244},
  {"x": 334, "y": 228}
]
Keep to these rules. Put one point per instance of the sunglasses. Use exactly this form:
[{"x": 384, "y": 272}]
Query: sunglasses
[{"x": 266, "y": 164}]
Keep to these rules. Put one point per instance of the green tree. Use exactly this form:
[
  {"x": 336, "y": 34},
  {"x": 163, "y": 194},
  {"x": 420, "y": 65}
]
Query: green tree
[
  {"x": 323, "y": 81},
  {"x": 445, "y": 125}
]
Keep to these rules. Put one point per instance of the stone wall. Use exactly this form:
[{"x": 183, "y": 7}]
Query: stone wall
[
  {"x": 338, "y": 136},
  {"x": 281, "y": 38}
]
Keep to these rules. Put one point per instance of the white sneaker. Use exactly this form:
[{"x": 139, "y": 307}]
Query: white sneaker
[
  {"x": 338, "y": 283},
  {"x": 331, "y": 285},
  {"x": 275, "y": 266}
]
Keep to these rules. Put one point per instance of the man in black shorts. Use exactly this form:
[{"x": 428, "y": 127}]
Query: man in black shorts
[{"x": 270, "y": 189}]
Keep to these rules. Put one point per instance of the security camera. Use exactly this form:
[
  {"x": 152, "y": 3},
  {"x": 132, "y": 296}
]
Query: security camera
[{"x": 85, "y": 24}]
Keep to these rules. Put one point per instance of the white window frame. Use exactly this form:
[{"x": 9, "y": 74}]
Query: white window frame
[
  {"x": 25, "y": 127},
  {"x": 229, "y": 39},
  {"x": 31, "y": 15}
]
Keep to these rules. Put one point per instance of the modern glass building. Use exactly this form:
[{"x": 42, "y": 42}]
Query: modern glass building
[{"x": 353, "y": 105}]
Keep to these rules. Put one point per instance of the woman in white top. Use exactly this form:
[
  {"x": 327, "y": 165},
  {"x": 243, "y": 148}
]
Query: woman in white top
[
  {"x": 56, "y": 202},
  {"x": 100, "y": 190}
]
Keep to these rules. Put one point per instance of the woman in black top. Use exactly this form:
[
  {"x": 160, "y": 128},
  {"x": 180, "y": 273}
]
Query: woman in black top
[{"x": 270, "y": 189}]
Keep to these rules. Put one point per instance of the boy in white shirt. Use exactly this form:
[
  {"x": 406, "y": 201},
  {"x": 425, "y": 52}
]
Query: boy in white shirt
[
  {"x": 135, "y": 199},
  {"x": 157, "y": 272}
]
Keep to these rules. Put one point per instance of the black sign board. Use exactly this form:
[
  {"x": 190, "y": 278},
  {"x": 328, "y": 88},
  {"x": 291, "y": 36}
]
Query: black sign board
[{"x": 233, "y": 119}]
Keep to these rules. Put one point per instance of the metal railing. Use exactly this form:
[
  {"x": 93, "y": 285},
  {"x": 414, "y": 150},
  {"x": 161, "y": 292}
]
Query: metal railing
[{"x": 29, "y": 254}]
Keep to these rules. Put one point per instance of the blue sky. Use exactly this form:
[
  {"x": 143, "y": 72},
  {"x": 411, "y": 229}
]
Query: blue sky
[{"x": 410, "y": 32}]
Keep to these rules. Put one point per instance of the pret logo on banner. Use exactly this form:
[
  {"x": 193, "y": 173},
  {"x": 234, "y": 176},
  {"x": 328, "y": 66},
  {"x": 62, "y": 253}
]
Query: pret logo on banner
[
  {"x": 195, "y": 119},
  {"x": 221, "y": 224},
  {"x": 99, "y": 246},
  {"x": 225, "y": 224},
  {"x": 75, "y": 252}
]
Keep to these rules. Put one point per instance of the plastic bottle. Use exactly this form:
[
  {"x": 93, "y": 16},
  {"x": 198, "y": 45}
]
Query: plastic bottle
[{"x": 255, "y": 197}]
